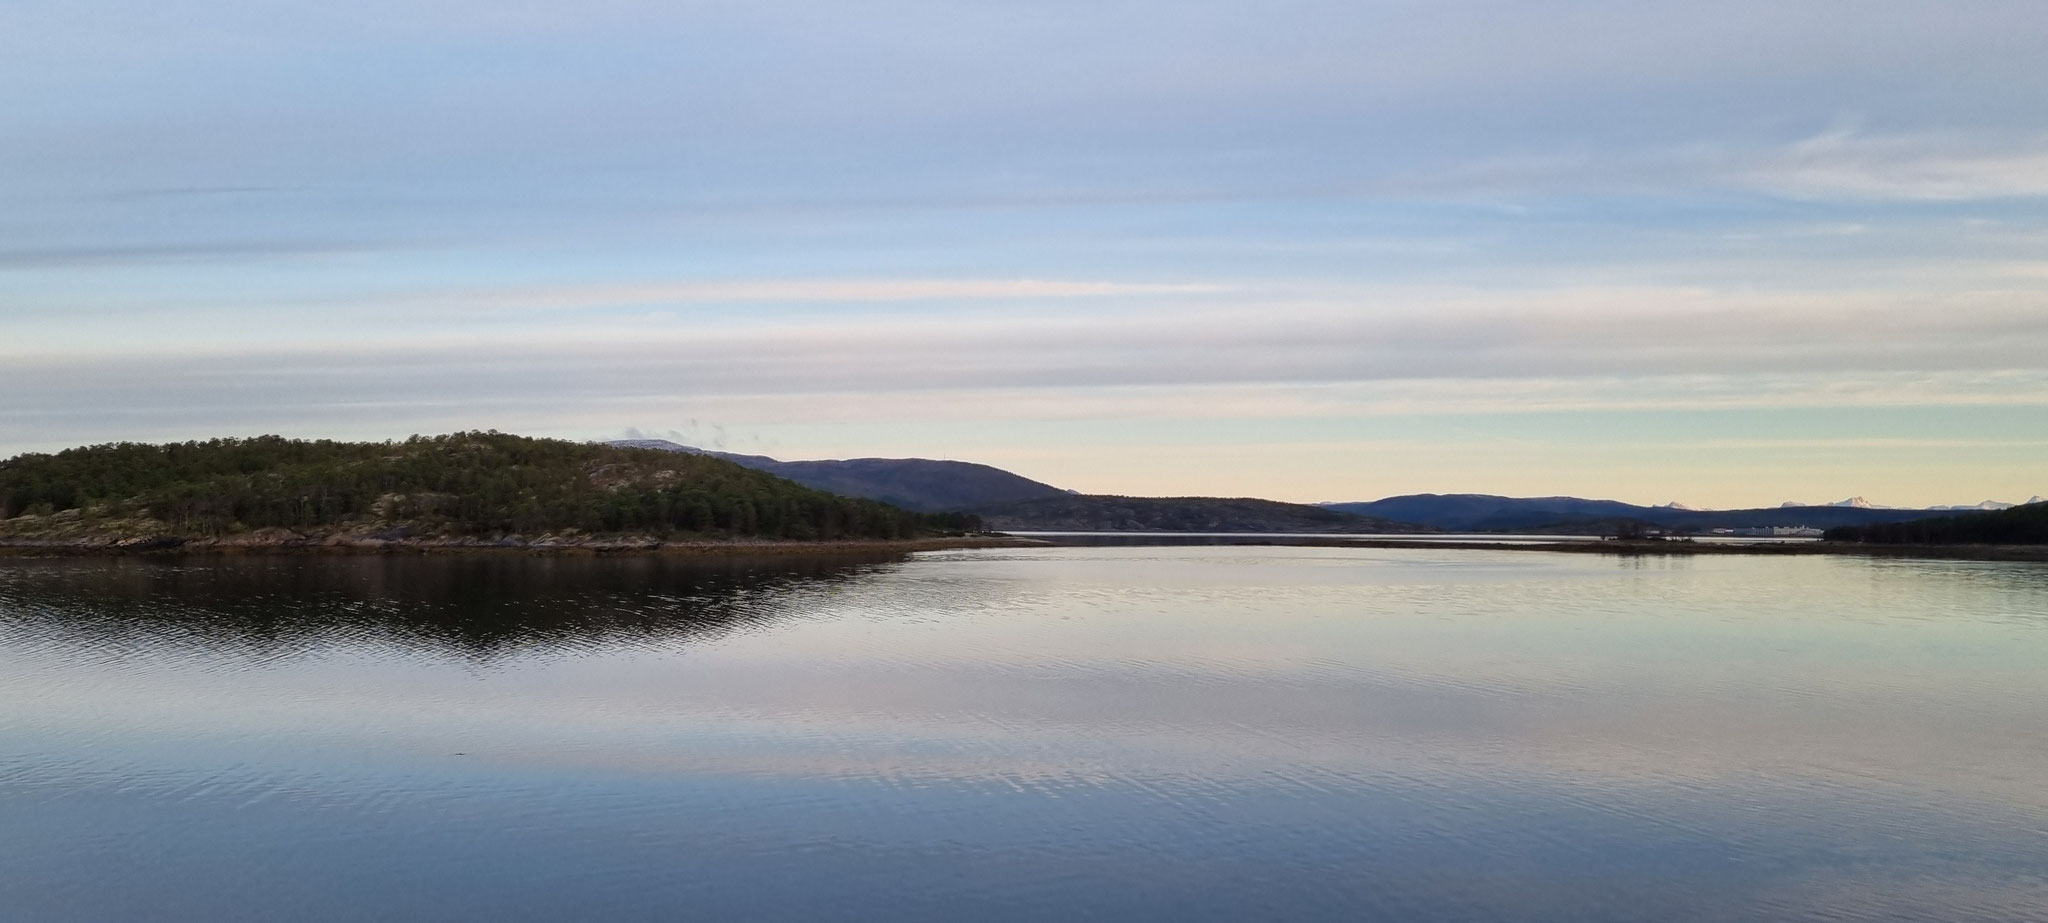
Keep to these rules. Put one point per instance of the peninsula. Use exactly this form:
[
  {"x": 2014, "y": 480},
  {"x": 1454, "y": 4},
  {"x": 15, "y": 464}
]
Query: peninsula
[{"x": 473, "y": 490}]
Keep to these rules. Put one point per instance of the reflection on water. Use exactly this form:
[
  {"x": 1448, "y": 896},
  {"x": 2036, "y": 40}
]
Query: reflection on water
[
  {"x": 1126, "y": 733},
  {"x": 478, "y": 606}
]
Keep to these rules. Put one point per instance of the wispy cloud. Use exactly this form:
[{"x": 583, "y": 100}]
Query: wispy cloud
[
  {"x": 1910, "y": 442},
  {"x": 1837, "y": 165},
  {"x": 1360, "y": 334},
  {"x": 1933, "y": 167},
  {"x": 810, "y": 291},
  {"x": 129, "y": 254}
]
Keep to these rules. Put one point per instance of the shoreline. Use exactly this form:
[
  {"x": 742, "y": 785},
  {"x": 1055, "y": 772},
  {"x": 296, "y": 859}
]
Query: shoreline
[
  {"x": 1633, "y": 548},
  {"x": 230, "y": 547},
  {"x": 548, "y": 546}
]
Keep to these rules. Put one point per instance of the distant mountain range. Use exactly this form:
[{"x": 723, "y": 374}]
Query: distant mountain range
[
  {"x": 1012, "y": 502},
  {"x": 1488, "y": 513},
  {"x": 1985, "y": 506},
  {"x": 1092, "y": 513}
]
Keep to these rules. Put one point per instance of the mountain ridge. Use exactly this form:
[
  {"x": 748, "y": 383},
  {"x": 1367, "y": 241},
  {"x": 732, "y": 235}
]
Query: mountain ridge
[
  {"x": 923, "y": 485},
  {"x": 1494, "y": 513},
  {"x": 1011, "y": 502},
  {"x": 1110, "y": 513}
]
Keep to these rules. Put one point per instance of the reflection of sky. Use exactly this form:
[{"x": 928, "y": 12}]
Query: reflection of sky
[
  {"x": 1729, "y": 254},
  {"x": 1756, "y": 734},
  {"x": 1166, "y": 654}
]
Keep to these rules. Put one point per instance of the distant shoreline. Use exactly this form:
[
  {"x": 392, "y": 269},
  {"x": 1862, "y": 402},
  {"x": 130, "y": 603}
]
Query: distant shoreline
[
  {"x": 244, "y": 546},
  {"x": 1943, "y": 552},
  {"x": 232, "y": 547},
  {"x": 1575, "y": 545}
]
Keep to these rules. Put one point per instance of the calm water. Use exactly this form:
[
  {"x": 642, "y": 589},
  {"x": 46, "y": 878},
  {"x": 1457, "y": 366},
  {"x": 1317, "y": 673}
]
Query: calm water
[{"x": 1119, "y": 733}]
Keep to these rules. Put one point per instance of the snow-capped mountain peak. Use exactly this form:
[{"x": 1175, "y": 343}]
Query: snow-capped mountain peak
[
  {"x": 1862, "y": 504},
  {"x": 1989, "y": 505},
  {"x": 1675, "y": 505}
]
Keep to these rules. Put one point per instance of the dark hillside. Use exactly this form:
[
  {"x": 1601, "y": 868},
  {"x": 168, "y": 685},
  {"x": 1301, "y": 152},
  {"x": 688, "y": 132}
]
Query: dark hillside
[
  {"x": 917, "y": 483},
  {"x": 921, "y": 484},
  {"x": 2021, "y": 525},
  {"x": 1090, "y": 513},
  {"x": 466, "y": 484},
  {"x": 1488, "y": 513},
  {"x": 1485, "y": 512}
]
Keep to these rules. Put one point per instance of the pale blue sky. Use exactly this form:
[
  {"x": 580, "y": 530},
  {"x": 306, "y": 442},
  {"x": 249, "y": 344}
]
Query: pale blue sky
[{"x": 1729, "y": 254}]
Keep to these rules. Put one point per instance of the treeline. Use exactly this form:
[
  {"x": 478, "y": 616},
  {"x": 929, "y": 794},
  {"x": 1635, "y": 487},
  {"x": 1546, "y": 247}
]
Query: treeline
[
  {"x": 475, "y": 483},
  {"x": 2021, "y": 525}
]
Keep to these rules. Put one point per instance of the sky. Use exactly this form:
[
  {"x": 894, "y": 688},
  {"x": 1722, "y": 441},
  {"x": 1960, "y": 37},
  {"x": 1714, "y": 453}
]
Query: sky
[{"x": 1727, "y": 254}]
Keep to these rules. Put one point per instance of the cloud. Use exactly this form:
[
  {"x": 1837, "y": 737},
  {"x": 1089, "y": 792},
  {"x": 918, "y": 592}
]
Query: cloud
[
  {"x": 127, "y": 254},
  {"x": 1908, "y": 442},
  {"x": 1838, "y": 165},
  {"x": 814, "y": 291},
  {"x": 1910, "y": 167},
  {"x": 774, "y": 380},
  {"x": 1367, "y": 333},
  {"x": 186, "y": 192}
]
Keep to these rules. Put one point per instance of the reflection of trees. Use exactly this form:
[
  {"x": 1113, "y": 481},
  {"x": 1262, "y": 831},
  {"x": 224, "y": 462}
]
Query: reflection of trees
[{"x": 475, "y": 606}]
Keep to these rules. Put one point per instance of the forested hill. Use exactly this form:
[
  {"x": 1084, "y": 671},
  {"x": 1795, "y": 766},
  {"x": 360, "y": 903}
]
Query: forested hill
[
  {"x": 465, "y": 484},
  {"x": 923, "y": 484},
  {"x": 2021, "y": 525}
]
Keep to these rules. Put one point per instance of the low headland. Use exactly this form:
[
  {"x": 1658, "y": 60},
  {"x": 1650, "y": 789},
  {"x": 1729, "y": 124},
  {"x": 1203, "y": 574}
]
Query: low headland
[
  {"x": 2016, "y": 534},
  {"x": 466, "y": 492}
]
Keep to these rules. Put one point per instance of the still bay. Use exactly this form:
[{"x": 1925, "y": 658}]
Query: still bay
[{"x": 1100, "y": 733}]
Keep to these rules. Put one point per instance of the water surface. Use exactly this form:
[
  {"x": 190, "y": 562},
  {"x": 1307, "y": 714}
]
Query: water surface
[{"x": 1115, "y": 733}]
